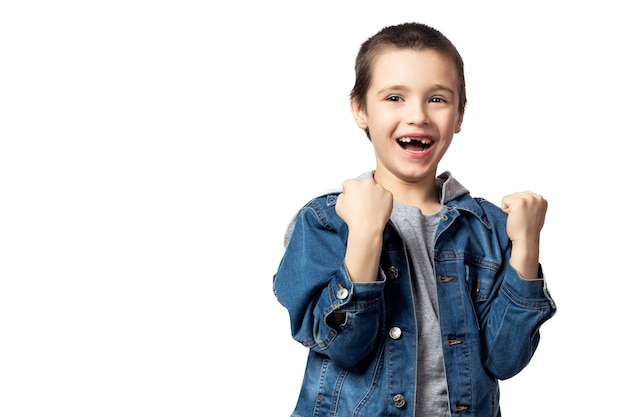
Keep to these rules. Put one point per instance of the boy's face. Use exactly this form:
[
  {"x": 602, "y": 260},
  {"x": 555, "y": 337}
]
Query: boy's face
[{"x": 412, "y": 112}]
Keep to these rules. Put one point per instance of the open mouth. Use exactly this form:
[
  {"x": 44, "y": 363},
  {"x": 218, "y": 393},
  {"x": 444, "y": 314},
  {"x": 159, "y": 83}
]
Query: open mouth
[{"x": 414, "y": 144}]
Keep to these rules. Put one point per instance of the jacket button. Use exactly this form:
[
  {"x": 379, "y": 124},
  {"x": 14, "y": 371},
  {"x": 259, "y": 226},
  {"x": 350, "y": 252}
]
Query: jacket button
[
  {"x": 399, "y": 401},
  {"x": 395, "y": 333},
  {"x": 342, "y": 293},
  {"x": 393, "y": 272}
]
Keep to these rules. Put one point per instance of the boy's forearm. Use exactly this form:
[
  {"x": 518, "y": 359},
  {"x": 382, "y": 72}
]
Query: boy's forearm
[
  {"x": 363, "y": 256},
  {"x": 525, "y": 259}
]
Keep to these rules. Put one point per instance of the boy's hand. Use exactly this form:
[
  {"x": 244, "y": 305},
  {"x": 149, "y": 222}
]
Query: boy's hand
[
  {"x": 364, "y": 204},
  {"x": 527, "y": 212}
]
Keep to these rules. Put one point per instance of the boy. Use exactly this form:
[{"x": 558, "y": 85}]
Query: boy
[{"x": 413, "y": 297}]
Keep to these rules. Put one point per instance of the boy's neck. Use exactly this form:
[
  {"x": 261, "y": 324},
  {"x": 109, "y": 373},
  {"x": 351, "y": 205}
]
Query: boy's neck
[{"x": 422, "y": 194}]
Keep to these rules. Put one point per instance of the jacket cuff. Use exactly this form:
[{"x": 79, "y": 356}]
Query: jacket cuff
[
  {"x": 343, "y": 292},
  {"x": 529, "y": 292}
]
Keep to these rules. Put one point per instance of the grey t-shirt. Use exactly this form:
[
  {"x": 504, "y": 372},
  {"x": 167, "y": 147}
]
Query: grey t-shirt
[{"x": 418, "y": 232}]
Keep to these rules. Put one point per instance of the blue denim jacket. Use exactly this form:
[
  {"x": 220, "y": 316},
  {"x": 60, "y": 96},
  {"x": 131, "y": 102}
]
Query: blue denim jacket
[{"x": 366, "y": 366}]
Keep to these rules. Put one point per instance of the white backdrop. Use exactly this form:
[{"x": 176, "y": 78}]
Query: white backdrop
[{"x": 152, "y": 153}]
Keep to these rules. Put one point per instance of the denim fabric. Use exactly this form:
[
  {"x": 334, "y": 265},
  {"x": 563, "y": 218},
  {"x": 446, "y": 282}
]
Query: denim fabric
[{"x": 366, "y": 366}]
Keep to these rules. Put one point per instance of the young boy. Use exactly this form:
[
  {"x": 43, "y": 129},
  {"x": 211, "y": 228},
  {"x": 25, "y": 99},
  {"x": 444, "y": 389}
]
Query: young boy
[{"x": 413, "y": 297}]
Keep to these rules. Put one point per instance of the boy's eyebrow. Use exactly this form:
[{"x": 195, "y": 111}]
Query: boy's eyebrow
[{"x": 392, "y": 88}]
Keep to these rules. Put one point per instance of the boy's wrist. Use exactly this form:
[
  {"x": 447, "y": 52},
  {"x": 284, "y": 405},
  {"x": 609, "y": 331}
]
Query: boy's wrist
[{"x": 525, "y": 259}]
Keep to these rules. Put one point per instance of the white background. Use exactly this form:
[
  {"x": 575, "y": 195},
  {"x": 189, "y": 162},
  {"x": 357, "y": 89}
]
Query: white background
[{"x": 152, "y": 153}]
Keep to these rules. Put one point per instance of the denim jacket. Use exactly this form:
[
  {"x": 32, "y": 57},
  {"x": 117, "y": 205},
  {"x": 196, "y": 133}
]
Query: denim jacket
[{"x": 489, "y": 316}]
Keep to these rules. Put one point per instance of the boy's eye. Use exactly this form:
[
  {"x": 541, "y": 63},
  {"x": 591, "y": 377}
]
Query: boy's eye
[
  {"x": 394, "y": 98},
  {"x": 438, "y": 100}
]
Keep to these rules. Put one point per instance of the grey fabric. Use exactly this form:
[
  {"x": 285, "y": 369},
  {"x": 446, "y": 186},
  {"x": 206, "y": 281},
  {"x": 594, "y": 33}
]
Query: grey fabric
[{"x": 418, "y": 232}]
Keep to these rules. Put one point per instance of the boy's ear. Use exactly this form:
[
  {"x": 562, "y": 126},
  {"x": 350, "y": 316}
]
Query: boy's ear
[
  {"x": 459, "y": 122},
  {"x": 359, "y": 114}
]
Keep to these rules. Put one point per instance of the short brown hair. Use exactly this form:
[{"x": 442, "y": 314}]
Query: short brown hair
[{"x": 416, "y": 36}]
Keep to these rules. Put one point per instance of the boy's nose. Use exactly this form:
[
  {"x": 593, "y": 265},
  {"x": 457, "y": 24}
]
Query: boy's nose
[{"x": 416, "y": 115}]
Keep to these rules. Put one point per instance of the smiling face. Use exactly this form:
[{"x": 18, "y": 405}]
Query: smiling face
[{"x": 411, "y": 113}]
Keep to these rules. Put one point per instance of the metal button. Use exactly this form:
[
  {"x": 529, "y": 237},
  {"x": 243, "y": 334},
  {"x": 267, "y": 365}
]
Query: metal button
[
  {"x": 395, "y": 333},
  {"x": 393, "y": 272},
  {"x": 399, "y": 401},
  {"x": 342, "y": 293}
]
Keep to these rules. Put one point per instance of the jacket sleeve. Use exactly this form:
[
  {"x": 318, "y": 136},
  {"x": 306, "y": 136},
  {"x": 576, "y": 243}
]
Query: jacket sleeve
[
  {"x": 516, "y": 309},
  {"x": 511, "y": 327},
  {"x": 312, "y": 283}
]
